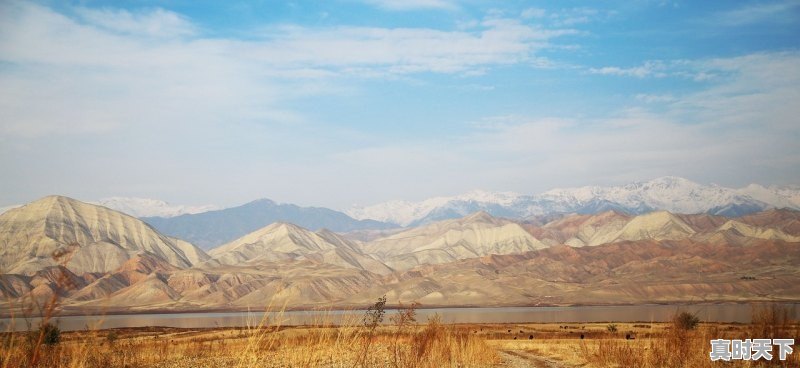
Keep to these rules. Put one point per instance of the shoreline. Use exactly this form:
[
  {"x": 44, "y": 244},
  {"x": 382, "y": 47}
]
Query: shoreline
[{"x": 119, "y": 311}]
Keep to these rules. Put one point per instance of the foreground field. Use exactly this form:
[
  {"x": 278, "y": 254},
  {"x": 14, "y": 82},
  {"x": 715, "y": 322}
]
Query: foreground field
[{"x": 400, "y": 343}]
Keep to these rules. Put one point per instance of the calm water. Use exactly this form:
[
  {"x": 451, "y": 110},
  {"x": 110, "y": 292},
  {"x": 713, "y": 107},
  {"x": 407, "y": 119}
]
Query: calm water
[{"x": 646, "y": 313}]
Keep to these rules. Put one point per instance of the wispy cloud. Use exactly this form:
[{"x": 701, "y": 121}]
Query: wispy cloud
[
  {"x": 155, "y": 22},
  {"x": 533, "y": 13},
  {"x": 406, "y": 50},
  {"x": 655, "y": 69},
  {"x": 652, "y": 98},
  {"x": 405, "y": 5},
  {"x": 738, "y": 129},
  {"x": 155, "y": 66},
  {"x": 685, "y": 69},
  {"x": 109, "y": 97},
  {"x": 770, "y": 12},
  {"x": 571, "y": 17}
]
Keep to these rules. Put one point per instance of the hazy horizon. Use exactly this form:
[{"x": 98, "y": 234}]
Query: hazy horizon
[
  {"x": 201, "y": 206},
  {"x": 358, "y": 102}
]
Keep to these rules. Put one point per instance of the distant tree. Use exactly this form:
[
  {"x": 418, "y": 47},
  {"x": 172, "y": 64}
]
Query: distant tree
[{"x": 611, "y": 328}]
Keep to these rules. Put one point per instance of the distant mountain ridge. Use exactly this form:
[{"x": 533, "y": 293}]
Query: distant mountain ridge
[
  {"x": 118, "y": 263},
  {"x": 283, "y": 242},
  {"x": 146, "y": 207},
  {"x": 478, "y": 234},
  {"x": 213, "y": 228},
  {"x": 673, "y": 194}
]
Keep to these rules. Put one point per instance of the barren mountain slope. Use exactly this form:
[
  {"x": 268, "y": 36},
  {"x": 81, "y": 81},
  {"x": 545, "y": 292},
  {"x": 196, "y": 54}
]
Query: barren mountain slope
[
  {"x": 617, "y": 273},
  {"x": 104, "y": 238},
  {"x": 478, "y": 260},
  {"x": 580, "y": 230},
  {"x": 445, "y": 241},
  {"x": 786, "y": 220},
  {"x": 752, "y": 231},
  {"x": 284, "y": 242}
]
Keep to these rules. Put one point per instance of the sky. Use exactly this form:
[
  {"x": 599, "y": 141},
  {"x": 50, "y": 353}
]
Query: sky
[{"x": 343, "y": 102}]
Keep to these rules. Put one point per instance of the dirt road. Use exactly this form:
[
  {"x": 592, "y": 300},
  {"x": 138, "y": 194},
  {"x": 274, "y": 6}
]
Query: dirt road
[{"x": 522, "y": 358}]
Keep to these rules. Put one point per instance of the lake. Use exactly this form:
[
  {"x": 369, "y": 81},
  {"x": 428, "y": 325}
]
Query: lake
[{"x": 635, "y": 313}]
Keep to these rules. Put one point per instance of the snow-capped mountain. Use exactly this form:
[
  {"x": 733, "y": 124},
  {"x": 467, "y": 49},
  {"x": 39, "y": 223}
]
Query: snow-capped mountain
[
  {"x": 674, "y": 194},
  {"x": 145, "y": 207},
  {"x": 405, "y": 212}
]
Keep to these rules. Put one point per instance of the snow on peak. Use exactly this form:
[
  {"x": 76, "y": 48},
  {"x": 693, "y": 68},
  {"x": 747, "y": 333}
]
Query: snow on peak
[
  {"x": 776, "y": 196},
  {"x": 146, "y": 207},
  {"x": 483, "y": 196},
  {"x": 668, "y": 193},
  {"x": 405, "y": 212}
]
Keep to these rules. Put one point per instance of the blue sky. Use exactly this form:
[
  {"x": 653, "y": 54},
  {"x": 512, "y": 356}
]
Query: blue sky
[{"x": 353, "y": 102}]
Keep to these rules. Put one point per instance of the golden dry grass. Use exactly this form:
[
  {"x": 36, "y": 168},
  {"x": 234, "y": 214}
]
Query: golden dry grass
[
  {"x": 430, "y": 345},
  {"x": 651, "y": 345},
  {"x": 401, "y": 342}
]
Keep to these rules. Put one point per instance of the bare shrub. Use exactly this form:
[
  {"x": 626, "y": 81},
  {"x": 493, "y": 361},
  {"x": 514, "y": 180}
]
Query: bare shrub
[
  {"x": 685, "y": 321},
  {"x": 771, "y": 321},
  {"x": 372, "y": 319}
]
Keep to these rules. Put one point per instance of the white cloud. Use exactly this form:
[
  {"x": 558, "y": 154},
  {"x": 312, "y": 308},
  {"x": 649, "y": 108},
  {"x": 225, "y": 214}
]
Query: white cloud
[
  {"x": 654, "y": 98},
  {"x": 687, "y": 69},
  {"x": 771, "y": 12},
  {"x": 404, "y": 5},
  {"x": 739, "y": 129},
  {"x": 34, "y": 34},
  {"x": 112, "y": 69},
  {"x": 153, "y": 22},
  {"x": 573, "y": 16},
  {"x": 648, "y": 69},
  {"x": 406, "y": 50},
  {"x": 186, "y": 109},
  {"x": 758, "y": 90},
  {"x": 533, "y": 13}
]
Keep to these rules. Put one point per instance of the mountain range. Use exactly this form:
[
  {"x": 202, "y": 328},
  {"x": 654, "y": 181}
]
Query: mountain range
[
  {"x": 673, "y": 194},
  {"x": 208, "y": 227},
  {"x": 213, "y": 228},
  {"x": 146, "y": 207},
  {"x": 94, "y": 259}
]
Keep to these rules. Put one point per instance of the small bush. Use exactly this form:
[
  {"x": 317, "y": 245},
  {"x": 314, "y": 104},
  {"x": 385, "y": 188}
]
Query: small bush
[
  {"x": 48, "y": 334},
  {"x": 406, "y": 315},
  {"x": 112, "y": 337},
  {"x": 374, "y": 315},
  {"x": 611, "y": 328},
  {"x": 685, "y": 321}
]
